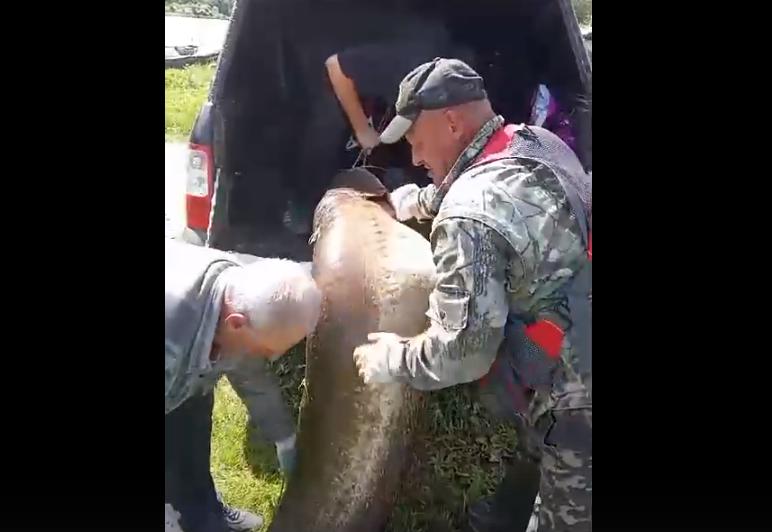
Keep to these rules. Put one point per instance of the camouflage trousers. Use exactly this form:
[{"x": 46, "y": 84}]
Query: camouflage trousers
[
  {"x": 565, "y": 488},
  {"x": 555, "y": 432}
]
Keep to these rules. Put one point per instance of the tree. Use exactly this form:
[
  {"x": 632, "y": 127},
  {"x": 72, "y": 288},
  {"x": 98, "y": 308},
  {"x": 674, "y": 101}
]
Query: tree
[
  {"x": 583, "y": 10},
  {"x": 200, "y": 8}
]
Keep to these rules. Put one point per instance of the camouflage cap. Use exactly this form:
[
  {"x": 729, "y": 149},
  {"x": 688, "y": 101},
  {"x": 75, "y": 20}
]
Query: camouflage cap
[{"x": 437, "y": 84}]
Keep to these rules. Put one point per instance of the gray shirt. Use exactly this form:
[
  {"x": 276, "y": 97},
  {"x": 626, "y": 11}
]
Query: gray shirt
[{"x": 194, "y": 292}]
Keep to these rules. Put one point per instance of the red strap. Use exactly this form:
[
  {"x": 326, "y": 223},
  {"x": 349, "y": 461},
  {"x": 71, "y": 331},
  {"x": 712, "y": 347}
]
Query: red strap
[
  {"x": 589, "y": 244},
  {"x": 497, "y": 145},
  {"x": 484, "y": 379},
  {"x": 497, "y": 149},
  {"x": 546, "y": 335}
]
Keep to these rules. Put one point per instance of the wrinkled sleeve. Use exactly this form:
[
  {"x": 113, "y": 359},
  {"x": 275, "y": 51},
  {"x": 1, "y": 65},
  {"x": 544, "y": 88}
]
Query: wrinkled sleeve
[
  {"x": 468, "y": 309},
  {"x": 260, "y": 392},
  {"x": 424, "y": 202}
]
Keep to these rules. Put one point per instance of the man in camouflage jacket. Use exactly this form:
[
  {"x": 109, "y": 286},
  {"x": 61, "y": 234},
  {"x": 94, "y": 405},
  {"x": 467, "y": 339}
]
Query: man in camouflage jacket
[{"x": 512, "y": 303}]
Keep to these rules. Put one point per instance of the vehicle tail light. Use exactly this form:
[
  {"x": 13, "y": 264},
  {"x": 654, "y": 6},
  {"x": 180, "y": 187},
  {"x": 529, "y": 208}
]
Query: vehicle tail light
[{"x": 199, "y": 186}]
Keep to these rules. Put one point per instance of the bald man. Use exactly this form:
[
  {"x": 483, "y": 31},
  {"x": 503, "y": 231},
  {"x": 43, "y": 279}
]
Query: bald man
[
  {"x": 221, "y": 316},
  {"x": 512, "y": 304}
]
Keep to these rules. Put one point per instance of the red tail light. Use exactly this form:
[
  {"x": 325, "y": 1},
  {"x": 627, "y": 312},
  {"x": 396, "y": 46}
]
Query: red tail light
[{"x": 199, "y": 187}]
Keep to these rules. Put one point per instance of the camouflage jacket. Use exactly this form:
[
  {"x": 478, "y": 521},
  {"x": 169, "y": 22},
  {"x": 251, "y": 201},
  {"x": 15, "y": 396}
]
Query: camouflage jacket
[{"x": 504, "y": 242}]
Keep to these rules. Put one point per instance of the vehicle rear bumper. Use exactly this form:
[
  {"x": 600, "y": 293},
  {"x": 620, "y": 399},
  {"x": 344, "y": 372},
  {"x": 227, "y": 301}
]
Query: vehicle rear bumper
[{"x": 194, "y": 236}]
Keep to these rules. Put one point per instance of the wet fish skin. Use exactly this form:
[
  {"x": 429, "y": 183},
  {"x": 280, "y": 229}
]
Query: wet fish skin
[{"x": 354, "y": 440}]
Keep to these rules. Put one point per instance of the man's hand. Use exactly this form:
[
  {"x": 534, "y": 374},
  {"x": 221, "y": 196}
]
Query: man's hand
[
  {"x": 368, "y": 138},
  {"x": 372, "y": 359},
  {"x": 405, "y": 201}
]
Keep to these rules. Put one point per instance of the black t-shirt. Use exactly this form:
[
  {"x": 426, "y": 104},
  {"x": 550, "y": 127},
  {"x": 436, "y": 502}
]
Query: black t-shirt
[{"x": 377, "y": 68}]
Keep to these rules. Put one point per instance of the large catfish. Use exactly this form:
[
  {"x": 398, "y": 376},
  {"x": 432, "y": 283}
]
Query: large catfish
[{"x": 354, "y": 439}]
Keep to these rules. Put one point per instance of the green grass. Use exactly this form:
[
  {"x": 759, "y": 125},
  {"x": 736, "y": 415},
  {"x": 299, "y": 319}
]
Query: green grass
[
  {"x": 245, "y": 469},
  {"x": 246, "y": 475},
  {"x": 186, "y": 91},
  {"x": 459, "y": 456}
]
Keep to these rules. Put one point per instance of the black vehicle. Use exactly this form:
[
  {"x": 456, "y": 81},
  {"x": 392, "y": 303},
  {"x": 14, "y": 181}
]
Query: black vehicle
[{"x": 246, "y": 136}]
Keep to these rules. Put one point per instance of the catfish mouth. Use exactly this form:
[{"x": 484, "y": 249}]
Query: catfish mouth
[
  {"x": 359, "y": 180},
  {"x": 356, "y": 183}
]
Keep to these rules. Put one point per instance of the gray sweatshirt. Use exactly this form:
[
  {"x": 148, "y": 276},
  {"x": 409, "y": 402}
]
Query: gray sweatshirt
[{"x": 194, "y": 293}]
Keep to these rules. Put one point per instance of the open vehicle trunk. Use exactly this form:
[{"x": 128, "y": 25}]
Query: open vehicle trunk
[{"x": 272, "y": 68}]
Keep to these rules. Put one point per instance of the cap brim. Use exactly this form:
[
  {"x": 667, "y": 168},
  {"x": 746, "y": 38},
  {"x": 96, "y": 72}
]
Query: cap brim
[{"x": 396, "y": 129}]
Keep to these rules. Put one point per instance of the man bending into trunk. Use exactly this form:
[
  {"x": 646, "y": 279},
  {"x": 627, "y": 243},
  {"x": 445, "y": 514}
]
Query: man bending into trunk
[
  {"x": 372, "y": 72},
  {"x": 362, "y": 78}
]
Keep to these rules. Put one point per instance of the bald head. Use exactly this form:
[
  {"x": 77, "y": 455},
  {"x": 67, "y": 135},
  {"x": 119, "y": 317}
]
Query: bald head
[
  {"x": 438, "y": 136},
  {"x": 469, "y": 118},
  {"x": 269, "y": 305}
]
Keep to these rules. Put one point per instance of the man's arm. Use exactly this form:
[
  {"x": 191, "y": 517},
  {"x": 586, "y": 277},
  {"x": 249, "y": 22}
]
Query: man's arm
[
  {"x": 468, "y": 310},
  {"x": 409, "y": 201},
  {"x": 347, "y": 95},
  {"x": 259, "y": 390}
]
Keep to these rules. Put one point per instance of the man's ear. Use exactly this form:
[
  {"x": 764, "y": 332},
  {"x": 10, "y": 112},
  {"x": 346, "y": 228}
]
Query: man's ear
[
  {"x": 454, "y": 123},
  {"x": 235, "y": 321}
]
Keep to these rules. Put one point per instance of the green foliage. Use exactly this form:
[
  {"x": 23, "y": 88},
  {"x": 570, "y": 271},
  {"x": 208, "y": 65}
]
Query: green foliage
[
  {"x": 583, "y": 10},
  {"x": 186, "y": 92},
  {"x": 200, "y": 8}
]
